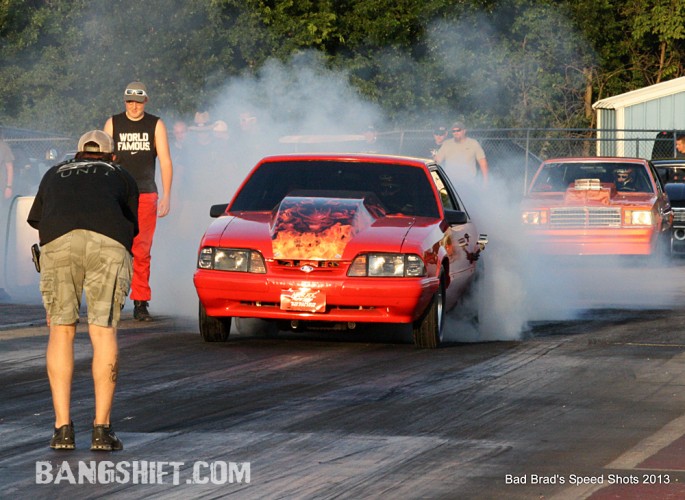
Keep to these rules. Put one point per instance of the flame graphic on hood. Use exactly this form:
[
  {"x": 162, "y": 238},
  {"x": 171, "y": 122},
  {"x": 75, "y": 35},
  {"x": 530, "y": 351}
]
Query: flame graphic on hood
[{"x": 314, "y": 228}]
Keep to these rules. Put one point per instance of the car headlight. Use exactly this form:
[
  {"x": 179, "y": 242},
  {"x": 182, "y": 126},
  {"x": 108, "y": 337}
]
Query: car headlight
[
  {"x": 387, "y": 265},
  {"x": 534, "y": 217},
  {"x": 638, "y": 218},
  {"x": 231, "y": 259}
]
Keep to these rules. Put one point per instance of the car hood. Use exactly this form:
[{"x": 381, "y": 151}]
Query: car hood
[{"x": 320, "y": 228}]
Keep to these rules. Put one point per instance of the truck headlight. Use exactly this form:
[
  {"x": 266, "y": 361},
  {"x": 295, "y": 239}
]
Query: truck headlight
[
  {"x": 639, "y": 218},
  {"x": 534, "y": 217}
]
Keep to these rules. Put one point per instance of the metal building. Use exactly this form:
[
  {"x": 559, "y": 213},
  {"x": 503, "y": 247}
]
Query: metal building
[{"x": 624, "y": 120}]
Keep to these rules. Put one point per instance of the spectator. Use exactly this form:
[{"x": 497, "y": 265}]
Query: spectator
[
  {"x": 139, "y": 139},
  {"x": 221, "y": 141},
  {"x": 178, "y": 144},
  {"x": 248, "y": 141},
  {"x": 86, "y": 215},
  {"x": 439, "y": 136},
  {"x": 220, "y": 130},
  {"x": 459, "y": 156},
  {"x": 201, "y": 119},
  {"x": 680, "y": 146},
  {"x": 201, "y": 131}
]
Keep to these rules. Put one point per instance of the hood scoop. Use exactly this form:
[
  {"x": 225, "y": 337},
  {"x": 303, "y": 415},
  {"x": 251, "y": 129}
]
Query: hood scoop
[{"x": 319, "y": 228}]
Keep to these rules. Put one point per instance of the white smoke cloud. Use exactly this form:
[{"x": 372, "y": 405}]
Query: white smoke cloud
[
  {"x": 286, "y": 99},
  {"x": 516, "y": 288},
  {"x": 303, "y": 96}
]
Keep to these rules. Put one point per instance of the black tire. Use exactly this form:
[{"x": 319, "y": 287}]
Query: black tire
[
  {"x": 663, "y": 250},
  {"x": 429, "y": 329},
  {"x": 213, "y": 329}
]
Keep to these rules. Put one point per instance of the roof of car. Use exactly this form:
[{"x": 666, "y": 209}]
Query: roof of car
[
  {"x": 350, "y": 157},
  {"x": 672, "y": 162},
  {"x": 597, "y": 159}
]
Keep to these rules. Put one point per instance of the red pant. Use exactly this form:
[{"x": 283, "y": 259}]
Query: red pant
[{"x": 142, "y": 244}]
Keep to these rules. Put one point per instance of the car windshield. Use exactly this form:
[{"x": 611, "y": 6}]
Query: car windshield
[
  {"x": 401, "y": 189},
  {"x": 560, "y": 176}
]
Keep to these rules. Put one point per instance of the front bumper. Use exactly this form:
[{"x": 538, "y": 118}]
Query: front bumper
[
  {"x": 604, "y": 241},
  {"x": 370, "y": 300},
  {"x": 678, "y": 240}
]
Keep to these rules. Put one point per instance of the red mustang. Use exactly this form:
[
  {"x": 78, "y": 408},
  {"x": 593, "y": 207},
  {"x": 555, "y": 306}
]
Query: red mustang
[
  {"x": 597, "y": 206},
  {"x": 338, "y": 239}
]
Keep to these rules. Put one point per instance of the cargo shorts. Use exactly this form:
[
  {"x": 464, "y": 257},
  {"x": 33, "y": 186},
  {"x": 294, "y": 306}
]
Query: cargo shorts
[{"x": 79, "y": 261}]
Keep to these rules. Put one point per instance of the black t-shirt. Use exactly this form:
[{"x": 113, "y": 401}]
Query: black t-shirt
[
  {"x": 94, "y": 195},
  {"x": 134, "y": 145}
]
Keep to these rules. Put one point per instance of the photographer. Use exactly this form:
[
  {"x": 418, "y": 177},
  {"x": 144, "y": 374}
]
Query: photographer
[{"x": 86, "y": 215}]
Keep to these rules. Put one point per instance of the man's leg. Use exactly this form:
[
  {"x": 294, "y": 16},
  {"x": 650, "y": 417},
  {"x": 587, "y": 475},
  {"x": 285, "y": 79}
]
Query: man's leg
[
  {"x": 142, "y": 246},
  {"x": 60, "y": 364},
  {"x": 105, "y": 370}
]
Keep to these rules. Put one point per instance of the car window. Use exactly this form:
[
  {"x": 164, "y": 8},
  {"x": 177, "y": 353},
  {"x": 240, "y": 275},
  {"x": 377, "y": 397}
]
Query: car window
[
  {"x": 562, "y": 175},
  {"x": 448, "y": 201},
  {"x": 657, "y": 178},
  {"x": 401, "y": 189}
]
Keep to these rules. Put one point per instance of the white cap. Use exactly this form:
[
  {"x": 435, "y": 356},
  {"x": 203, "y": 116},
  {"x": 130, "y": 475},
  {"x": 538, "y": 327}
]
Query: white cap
[{"x": 96, "y": 141}]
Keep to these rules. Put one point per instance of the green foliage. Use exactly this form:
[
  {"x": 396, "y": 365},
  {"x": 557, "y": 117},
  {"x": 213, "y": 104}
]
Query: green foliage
[{"x": 508, "y": 63}]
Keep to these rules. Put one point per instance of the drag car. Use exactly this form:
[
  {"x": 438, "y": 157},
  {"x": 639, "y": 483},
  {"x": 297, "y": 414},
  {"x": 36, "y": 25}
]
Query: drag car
[
  {"x": 336, "y": 240},
  {"x": 676, "y": 195},
  {"x": 672, "y": 170},
  {"x": 672, "y": 173},
  {"x": 597, "y": 206}
]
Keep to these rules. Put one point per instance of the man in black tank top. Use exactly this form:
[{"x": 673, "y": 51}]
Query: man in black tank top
[{"x": 139, "y": 139}]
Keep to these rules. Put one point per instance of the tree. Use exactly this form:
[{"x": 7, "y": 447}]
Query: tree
[
  {"x": 505, "y": 63},
  {"x": 658, "y": 33}
]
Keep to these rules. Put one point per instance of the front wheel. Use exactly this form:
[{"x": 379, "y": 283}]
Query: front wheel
[
  {"x": 213, "y": 329},
  {"x": 429, "y": 329}
]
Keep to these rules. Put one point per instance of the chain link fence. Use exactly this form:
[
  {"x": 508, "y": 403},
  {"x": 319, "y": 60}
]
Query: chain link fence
[
  {"x": 34, "y": 152},
  {"x": 515, "y": 154}
]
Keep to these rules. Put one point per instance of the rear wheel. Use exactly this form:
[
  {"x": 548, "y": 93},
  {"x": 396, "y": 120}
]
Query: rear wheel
[
  {"x": 429, "y": 329},
  {"x": 213, "y": 329}
]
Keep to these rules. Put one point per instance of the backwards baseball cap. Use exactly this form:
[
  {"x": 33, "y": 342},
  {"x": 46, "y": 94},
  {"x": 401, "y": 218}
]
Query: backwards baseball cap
[
  {"x": 96, "y": 141},
  {"x": 135, "y": 91}
]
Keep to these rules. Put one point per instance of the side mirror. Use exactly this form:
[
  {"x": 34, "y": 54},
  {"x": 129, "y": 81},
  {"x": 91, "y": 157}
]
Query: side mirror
[
  {"x": 455, "y": 217},
  {"x": 218, "y": 210}
]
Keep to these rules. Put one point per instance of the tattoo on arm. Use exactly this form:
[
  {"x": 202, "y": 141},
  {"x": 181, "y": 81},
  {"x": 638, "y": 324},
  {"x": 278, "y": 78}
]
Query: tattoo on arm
[{"x": 115, "y": 370}]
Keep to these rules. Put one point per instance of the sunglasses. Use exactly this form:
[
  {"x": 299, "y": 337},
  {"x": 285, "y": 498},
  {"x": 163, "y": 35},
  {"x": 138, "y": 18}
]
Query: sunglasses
[
  {"x": 456, "y": 130},
  {"x": 135, "y": 92},
  {"x": 622, "y": 176}
]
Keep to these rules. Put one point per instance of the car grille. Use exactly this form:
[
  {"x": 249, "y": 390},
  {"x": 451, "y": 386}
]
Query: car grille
[
  {"x": 678, "y": 214},
  {"x": 581, "y": 217}
]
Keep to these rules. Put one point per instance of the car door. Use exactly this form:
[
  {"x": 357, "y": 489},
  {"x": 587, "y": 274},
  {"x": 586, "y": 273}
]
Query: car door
[
  {"x": 663, "y": 203},
  {"x": 461, "y": 239}
]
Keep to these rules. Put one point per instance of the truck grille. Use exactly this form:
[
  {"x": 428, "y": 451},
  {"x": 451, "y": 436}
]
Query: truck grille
[
  {"x": 581, "y": 217},
  {"x": 678, "y": 214}
]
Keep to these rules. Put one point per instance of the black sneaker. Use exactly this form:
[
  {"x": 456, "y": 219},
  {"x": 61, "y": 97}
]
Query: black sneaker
[
  {"x": 63, "y": 438},
  {"x": 140, "y": 311},
  {"x": 104, "y": 439}
]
